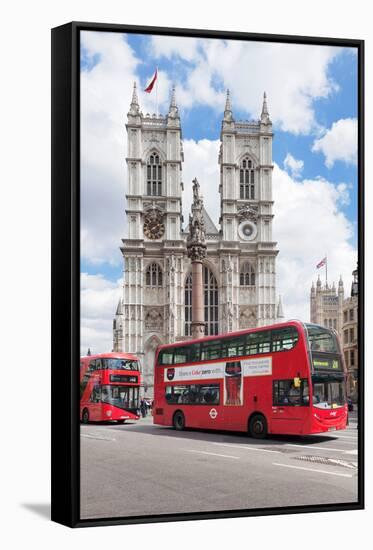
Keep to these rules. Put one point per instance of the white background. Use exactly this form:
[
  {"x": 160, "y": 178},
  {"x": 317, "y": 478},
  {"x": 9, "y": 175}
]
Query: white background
[{"x": 25, "y": 272}]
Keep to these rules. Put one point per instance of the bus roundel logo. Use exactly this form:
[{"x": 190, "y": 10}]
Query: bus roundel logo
[
  {"x": 213, "y": 413},
  {"x": 170, "y": 374}
]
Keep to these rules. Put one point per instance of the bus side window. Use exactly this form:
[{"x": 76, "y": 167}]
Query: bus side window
[
  {"x": 96, "y": 394},
  {"x": 264, "y": 342},
  {"x": 251, "y": 344},
  {"x": 233, "y": 347},
  {"x": 284, "y": 338},
  {"x": 166, "y": 357},
  {"x": 83, "y": 384},
  {"x": 211, "y": 350},
  {"x": 92, "y": 365},
  {"x": 181, "y": 355},
  {"x": 195, "y": 353},
  {"x": 285, "y": 393}
]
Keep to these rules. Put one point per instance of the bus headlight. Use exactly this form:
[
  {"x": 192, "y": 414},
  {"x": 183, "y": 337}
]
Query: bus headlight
[{"x": 108, "y": 413}]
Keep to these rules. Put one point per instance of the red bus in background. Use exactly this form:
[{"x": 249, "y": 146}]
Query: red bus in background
[
  {"x": 288, "y": 378},
  {"x": 109, "y": 387}
]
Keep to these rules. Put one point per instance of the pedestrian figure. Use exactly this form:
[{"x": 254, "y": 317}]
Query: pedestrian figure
[{"x": 143, "y": 408}]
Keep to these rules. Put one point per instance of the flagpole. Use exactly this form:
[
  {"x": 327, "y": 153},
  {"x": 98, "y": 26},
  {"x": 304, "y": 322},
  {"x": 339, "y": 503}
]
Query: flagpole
[
  {"x": 326, "y": 270},
  {"x": 156, "y": 93}
]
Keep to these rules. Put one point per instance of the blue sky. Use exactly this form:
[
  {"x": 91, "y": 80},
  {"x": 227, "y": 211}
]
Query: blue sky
[{"x": 312, "y": 99}]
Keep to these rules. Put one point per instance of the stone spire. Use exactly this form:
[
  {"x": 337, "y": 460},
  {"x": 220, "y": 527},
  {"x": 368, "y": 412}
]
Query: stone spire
[
  {"x": 119, "y": 307},
  {"x": 264, "y": 117},
  {"x": 228, "y": 115},
  {"x": 355, "y": 282},
  {"x": 318, "y": 284},
  {"x": 134, "y": 106},
  {"x": 280, "y": 310},
  {"x": 173, "y": 111}
]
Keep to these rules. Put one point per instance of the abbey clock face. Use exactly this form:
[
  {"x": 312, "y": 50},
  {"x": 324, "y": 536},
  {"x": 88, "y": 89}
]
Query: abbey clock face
[
  {"x": 153, "y": 228},
  {"x": 247, "y": 230}
]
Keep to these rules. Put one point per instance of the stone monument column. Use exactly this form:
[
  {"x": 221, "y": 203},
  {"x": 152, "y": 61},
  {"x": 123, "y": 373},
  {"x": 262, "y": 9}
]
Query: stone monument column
[{"x": 196, "y": 247}]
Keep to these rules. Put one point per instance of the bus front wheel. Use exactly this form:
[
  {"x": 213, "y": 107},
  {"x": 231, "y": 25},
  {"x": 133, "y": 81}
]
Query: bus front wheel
[
  {"x": 258, "y": 426},
  {"x": 85, "y": 416},
  {"x": 178, "y": 421}
]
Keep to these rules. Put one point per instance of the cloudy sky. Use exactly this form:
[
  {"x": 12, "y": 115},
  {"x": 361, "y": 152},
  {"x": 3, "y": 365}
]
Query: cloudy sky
[{"x": 312, "y": 99}]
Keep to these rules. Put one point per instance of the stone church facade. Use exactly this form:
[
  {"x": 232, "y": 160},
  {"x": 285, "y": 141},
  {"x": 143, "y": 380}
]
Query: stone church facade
[{"x": 239, "y": 271}]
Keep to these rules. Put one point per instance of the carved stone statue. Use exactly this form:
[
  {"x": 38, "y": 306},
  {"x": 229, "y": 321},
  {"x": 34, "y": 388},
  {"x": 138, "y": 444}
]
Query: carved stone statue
[{"x": 196, "y": 241}]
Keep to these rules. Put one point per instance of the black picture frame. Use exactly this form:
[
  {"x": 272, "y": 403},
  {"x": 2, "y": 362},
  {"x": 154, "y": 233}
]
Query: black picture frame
[{"x": 66, "y": 260}]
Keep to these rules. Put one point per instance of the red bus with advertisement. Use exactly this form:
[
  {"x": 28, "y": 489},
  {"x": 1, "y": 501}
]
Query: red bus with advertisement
[
  {"x": 109, "y": 387},
  {"x": 288, "y": 378}
]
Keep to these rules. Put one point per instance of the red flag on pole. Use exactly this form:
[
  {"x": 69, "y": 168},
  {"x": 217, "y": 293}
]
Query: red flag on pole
[
  {"x": 320, "y": 264},
  {"x": 149, "y": 87}
]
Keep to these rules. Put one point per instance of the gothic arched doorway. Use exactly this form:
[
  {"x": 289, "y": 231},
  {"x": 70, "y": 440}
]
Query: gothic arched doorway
[{"x": 211, "y": 302}]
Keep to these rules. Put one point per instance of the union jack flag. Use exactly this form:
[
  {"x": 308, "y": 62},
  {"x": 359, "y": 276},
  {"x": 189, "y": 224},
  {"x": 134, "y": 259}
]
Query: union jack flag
[{"x": 320, "y": 264}]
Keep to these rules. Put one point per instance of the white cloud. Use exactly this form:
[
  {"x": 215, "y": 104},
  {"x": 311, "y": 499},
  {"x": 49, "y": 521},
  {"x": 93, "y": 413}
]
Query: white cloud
[
  {"x": 99, "y": 299},
  {"x": 201, "y": 161},
  {"x": 167, "y": 46},
  {"x": 106, "y": 94},
  {"x": 293, "y": 165},
  {"x": 309, "y": 224},
  {"x": 249, "y": 69},
  {"x": 339, "y": 143}
]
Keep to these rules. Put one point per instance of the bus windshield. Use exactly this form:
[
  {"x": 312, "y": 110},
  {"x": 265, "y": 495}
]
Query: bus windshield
[
  {"x": 120, "y": 364},
  {"x": 123, "y": 397},
  {"x": 321, "y": 339},
  {"x": 328, "y": 392}
]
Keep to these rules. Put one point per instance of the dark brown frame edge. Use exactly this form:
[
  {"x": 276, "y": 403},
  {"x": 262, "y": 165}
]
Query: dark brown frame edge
[{"x": 66, "y": 280}]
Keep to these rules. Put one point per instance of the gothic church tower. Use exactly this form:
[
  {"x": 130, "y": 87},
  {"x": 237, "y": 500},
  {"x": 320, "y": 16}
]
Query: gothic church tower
[
  {"x": 246, "y": 219},
  {"x": 153, "y": 249}
]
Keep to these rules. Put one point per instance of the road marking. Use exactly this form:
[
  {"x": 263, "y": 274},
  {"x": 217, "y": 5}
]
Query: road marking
[
  {"x": 89, "y": 436},
  {"x": 314, "y": 447},
  {"x": 213, "y": 454},
  {"x": 353, "y": 438},
  {"x": 311, "y": 470},
  {"x": 246, "y": 448},
  {"x": 354, "y": 452}
]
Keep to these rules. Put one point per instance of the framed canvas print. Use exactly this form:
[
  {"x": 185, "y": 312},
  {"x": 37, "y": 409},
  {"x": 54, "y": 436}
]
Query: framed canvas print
[{"x": 207, "y": 274}]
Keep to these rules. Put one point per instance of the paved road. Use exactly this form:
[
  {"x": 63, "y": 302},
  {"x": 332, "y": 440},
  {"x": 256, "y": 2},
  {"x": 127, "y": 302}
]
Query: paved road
[{"x": 142, "y": 469}]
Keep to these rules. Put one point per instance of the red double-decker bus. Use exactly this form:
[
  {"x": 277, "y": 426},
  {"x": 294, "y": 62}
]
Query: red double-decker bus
[
  {"x": 109, "y": 387},
  {"x": 288, "y": 378}
]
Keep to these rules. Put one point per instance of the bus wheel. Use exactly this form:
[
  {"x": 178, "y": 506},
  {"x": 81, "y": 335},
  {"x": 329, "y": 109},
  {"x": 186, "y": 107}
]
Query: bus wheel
[
  {"x": 178, "y": 421},
  {"x": 258, "y": 426},
  {"x": 85, "y": 416}
]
